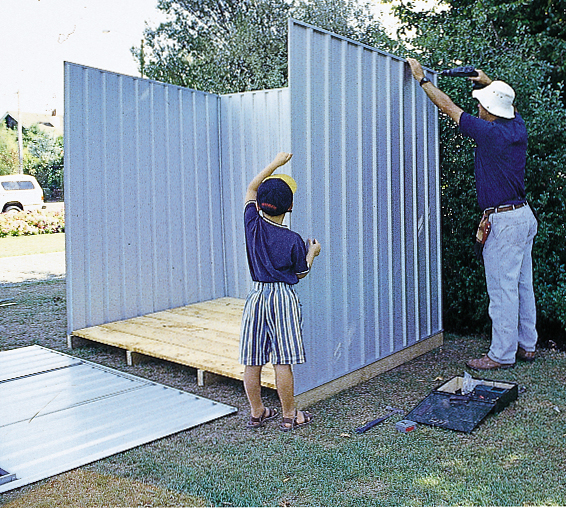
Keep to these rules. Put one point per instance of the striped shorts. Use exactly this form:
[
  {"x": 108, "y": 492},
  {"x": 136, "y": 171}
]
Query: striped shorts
[{"x": 272, "y": 326}]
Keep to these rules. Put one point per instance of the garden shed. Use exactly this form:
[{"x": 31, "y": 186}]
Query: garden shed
[{"x": 155, "y": 176}]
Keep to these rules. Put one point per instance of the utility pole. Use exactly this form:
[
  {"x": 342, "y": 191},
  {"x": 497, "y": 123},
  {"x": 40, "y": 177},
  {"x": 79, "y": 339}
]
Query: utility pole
[{"x": 20, "y": 138}]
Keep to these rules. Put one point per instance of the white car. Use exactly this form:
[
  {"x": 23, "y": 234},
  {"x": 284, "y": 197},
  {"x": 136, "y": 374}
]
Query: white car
[{"x": 20, "y": 193}]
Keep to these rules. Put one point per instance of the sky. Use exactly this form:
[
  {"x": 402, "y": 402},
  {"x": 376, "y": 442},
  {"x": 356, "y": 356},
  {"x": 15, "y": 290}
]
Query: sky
[{"x": 39, "y": 35}]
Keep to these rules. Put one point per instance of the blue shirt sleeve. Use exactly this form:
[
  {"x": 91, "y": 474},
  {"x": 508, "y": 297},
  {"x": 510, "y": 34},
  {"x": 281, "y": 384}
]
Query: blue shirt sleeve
[
  {"x": 476, "y": 128},
  {"x": 250, "y": 212},
  {"x": 299, "y": 256}
]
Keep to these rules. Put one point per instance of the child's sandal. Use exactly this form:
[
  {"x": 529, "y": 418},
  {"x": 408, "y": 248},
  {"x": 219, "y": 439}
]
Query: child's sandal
[
  {"x": 268, "y": 414},
  {"x": 291, "y": 423}
]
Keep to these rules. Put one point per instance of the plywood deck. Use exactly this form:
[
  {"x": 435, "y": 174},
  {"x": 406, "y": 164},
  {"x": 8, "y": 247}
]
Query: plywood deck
[{"x": 203, "y": 335}]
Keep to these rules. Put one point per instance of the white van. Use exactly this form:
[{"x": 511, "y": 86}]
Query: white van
[{"x": 19, "y": 193}]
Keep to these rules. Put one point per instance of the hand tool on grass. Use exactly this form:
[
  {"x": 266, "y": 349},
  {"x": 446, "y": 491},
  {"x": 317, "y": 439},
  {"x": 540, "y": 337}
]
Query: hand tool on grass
[{"x": 367, "y": 426}]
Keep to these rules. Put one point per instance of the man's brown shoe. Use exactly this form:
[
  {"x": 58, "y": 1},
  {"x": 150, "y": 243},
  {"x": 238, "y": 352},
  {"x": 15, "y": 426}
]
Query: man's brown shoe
[
  {"x": 525, "y": 356},
  {"x": 486, "y": 363}
]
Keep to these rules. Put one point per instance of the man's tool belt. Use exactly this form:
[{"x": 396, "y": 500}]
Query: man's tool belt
[
  {"x": 485, "y": 226},
  {"x": 481, "y": 234}
]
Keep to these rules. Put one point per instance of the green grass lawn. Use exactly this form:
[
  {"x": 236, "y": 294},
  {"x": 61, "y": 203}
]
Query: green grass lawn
[
  {"x": 514, "y": 458},
  {"x": 33, "y": 244}
]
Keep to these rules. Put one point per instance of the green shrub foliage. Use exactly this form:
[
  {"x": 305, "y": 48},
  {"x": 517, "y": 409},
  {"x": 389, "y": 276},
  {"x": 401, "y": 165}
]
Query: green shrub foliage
[
  {"x": 44, "y": 160},
  {"x": 31, "y": 223},
  {"x": 493, "y": 37},
  {"x": 239, "y": 45}
]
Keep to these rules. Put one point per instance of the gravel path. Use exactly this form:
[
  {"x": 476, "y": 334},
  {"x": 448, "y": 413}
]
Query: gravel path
[{"x": 32, "y": 268}]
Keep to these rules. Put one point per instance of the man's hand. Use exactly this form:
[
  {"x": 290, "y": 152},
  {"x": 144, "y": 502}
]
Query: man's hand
[
  {"x": 438, "y": 97},
  {"x": 416, "y": 69},
  {"x": 481, "y": 78},
  {"x": 281, "y": 159}
]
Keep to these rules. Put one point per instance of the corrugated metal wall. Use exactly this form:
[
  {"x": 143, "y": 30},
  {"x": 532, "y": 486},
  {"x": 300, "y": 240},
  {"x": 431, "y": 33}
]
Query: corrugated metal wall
[
  {"x": 255, "y": 126},
  {"x": 365, "y": 141},
  {"x": 142, "y": 196},
  {"x": 155, "y": 177}
]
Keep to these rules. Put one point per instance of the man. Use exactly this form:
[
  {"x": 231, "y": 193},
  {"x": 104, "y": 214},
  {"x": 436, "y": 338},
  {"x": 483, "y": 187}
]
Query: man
[{"x": 501, "y": 147}]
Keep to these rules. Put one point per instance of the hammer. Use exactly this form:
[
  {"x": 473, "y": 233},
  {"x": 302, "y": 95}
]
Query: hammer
[{"x": 373, "y": 423}]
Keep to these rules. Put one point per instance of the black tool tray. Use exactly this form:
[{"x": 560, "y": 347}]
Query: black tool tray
[{"x": 448, "y": 408}]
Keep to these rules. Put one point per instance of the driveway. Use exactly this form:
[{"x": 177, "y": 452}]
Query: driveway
[{"x": 32, "y": 268}]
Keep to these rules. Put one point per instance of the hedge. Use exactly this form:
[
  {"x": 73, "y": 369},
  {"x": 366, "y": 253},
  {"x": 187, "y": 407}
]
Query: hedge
[{"x": 31, "y": 223}]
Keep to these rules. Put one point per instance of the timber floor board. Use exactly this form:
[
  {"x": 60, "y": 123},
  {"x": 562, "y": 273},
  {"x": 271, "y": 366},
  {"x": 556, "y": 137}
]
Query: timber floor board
[{"x": 203, "y": 335}]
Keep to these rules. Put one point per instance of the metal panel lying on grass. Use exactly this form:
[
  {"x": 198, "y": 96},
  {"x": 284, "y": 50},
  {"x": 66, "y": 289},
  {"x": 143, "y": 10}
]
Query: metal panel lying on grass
[{"x": 54, "y": 420}]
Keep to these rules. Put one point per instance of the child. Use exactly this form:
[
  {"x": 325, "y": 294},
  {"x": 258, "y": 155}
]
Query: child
[{"x": 272, "y": 319}]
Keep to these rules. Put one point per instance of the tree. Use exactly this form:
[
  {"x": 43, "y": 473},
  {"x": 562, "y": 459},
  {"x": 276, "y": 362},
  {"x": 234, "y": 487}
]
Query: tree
[
  {"x": 44, "y": 159},
  {"x": 9, "y": 155},
  {"x": 238, "y": 45},
  {"x": 542, "y": 21},
  {"x": 478, "y": 33}
]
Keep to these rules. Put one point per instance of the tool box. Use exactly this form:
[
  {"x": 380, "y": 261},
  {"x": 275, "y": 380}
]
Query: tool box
[{"x": 448, "y": 407}]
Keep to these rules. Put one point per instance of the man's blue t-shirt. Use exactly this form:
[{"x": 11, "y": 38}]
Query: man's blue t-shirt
[
  {"x": 275, "y": 253},
  {"x": 500, "y": 158}
]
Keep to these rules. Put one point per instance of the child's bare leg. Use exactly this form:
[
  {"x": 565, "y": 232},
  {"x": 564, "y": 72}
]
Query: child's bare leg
[
  {"x": 285, "y": 389},
  {"x": 252, "y": 385}
]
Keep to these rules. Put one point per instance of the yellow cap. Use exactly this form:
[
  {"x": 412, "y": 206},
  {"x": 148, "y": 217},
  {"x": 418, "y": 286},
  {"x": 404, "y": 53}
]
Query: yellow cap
[{"x": 287, "y": 179}]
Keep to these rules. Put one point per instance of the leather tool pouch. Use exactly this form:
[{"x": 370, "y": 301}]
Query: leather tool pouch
[{"x": 481, "y": 235}]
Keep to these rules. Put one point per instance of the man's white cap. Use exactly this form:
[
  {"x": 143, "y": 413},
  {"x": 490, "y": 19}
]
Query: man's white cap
[{"x": 497, "y": 98}]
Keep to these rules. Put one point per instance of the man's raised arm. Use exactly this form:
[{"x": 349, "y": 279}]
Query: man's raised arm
[{"x": 437, "y": 96}]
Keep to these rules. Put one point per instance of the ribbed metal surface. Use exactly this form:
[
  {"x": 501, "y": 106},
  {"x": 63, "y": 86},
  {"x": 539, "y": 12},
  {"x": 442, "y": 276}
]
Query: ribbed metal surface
[
  {"x": 365, "y": 142},
  {"x": 53, "y": 421},
  {"x": 28, "y": 361},
  {"x": 156, "y": 175},
  {"x": 142, "y": 197},
  {"x": 255, "y": 126}
]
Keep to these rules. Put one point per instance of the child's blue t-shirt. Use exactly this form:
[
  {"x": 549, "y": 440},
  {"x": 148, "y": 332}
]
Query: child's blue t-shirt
[{"x": 275, "y": 253}]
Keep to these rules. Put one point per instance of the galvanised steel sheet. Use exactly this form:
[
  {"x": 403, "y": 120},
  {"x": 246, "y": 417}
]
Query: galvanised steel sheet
[
  {"x": 25, "y": 361},
  {"x": 142, "y": 197},
  {"x": 365, "y": 144},
  {"x": 52, "y": 421},
  {"x": 255, "y": 126},
  {"x": 155, "y": 177}
]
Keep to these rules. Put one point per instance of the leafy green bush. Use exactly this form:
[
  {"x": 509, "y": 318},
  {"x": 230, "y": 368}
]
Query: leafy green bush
[
  {"x": 31, "y": 223},
  {"x": 44, "y": 160},
  {"x": 471, "y": 33}
]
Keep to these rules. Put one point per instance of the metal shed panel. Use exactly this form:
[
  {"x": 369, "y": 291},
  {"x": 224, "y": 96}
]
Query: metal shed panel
[
  {"x": 255, "y": 126},
  {"x": 56, "y": 420},
  {"x": 365, "y": 161},
  {"x": 365, "y": 144},
  {"x": 142, "y": 182}
]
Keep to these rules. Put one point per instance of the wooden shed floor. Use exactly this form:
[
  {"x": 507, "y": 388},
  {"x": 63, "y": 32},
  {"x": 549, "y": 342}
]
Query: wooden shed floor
[{"x": 203, "y": 335}]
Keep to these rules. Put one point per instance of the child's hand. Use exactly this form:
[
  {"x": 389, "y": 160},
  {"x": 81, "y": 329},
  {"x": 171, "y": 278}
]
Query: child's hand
[
  {"x": 282, "y": 158},
  {"x": 313, "y": 247}
]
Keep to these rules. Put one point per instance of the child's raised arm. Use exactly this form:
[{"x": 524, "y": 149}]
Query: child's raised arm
[{"x": 280, "y": 159}]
